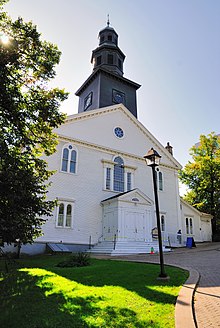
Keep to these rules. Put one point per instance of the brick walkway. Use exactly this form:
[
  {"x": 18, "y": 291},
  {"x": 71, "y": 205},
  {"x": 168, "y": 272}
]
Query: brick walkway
[{"x": 205, "y": 258}]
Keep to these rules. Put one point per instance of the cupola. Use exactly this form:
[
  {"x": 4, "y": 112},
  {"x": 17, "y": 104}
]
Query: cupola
[{"x": 108, "y": 55}]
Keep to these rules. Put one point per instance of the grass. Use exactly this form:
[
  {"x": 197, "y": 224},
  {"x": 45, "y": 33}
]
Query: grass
[{"x": 37, "y": 294}]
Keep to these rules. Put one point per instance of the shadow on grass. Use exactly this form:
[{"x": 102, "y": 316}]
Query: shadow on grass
[
  {"x": 25, "y": 305},
  {"x": 140, "y": 278}
]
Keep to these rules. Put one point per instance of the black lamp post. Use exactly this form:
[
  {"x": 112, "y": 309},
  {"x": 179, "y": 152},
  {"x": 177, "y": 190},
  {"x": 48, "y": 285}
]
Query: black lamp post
[{"x": 153, "y": 159}]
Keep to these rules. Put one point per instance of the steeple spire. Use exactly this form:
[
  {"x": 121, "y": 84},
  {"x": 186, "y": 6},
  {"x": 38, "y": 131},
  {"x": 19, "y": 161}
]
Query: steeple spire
[{"x": 108, "y": 22}]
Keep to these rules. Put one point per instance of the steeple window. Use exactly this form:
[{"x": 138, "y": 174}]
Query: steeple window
[
  {"x": 110, "y": 59},
  {"x": 110, "y": 37},
  {"x": 119, "y": 63},
  {"x": 99, "y": 60}
]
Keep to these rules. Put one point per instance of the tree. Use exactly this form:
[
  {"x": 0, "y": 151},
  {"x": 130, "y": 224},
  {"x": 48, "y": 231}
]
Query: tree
[
  {"x": 29, "y": 111},
  {"x": 202, "y": 176}
]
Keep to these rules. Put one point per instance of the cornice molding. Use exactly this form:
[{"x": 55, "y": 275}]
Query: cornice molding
[{"x": 113, "y": 152}]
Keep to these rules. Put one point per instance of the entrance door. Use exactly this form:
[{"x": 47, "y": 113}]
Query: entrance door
[
  {"x": 205, "y": 231},
  {"x": 109, "y": 228},
  {"x": 134, "y": 226}
]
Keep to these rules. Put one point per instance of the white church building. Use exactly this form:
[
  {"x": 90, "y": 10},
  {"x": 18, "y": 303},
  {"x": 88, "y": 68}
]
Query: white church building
[{"x": 102, "y": 184}]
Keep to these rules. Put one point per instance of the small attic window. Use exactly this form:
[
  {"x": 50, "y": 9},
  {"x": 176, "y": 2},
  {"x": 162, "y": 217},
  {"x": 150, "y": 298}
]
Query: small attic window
[{"x": 135, "y": 200}]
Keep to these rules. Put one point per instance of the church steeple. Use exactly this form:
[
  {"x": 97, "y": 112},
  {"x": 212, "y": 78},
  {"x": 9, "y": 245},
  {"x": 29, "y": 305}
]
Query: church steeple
[{"x": 106, "y": 86}]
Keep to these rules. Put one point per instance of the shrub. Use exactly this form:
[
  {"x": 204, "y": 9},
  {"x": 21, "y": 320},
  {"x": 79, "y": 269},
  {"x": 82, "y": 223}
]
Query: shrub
[{"x": 76, "y": 260}]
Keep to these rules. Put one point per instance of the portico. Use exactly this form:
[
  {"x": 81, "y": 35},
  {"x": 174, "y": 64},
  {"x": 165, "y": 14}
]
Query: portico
[{"x": 127, "y": 217}]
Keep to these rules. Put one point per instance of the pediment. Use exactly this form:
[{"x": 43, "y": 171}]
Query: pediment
[
  {"x": 190, "y": 210},
  {"x": 134, "y": 196},
  {"x": 96, "y": 128}
]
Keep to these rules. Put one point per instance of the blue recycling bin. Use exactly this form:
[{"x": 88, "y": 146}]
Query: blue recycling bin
[{"x": 190, "y": 242}]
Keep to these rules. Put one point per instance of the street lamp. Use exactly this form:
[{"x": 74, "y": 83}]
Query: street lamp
[{"x": 153, "y": 159}]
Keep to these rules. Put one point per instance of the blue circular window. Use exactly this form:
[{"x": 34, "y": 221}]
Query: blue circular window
[
  {"x": 119, "y": 132},
  {"x": 70, "y": 147}
]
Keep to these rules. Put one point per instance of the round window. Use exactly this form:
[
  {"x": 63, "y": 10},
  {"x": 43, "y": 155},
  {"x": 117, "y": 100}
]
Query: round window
[{"x": 119, "y": 132}]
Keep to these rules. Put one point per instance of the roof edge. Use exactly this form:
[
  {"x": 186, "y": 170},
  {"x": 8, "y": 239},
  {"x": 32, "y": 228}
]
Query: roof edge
[
  {"x": 195, "y": 209},
  {"x": 102, "y": 70}
]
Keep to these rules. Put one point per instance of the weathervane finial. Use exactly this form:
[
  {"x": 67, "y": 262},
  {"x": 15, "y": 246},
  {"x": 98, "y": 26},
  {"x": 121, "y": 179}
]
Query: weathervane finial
[{"x": 108, "y": 23}]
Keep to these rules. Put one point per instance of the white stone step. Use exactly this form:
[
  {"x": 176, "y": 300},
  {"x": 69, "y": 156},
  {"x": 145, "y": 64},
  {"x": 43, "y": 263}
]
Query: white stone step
[{"x": 124, "y": 248}]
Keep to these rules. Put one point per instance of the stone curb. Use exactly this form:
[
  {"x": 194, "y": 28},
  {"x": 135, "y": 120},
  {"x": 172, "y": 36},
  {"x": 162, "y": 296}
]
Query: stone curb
[{"x": 184, "y": 309}]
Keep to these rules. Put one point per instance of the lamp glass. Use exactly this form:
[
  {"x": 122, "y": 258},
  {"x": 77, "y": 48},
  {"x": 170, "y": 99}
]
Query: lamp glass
[{"x": 152, "y": 158}]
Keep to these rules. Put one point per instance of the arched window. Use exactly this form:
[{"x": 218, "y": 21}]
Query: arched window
[
  {"x": 73, "y": 161},
  {"x": 191, "y": 226},
  {"x": 119, "y": 174},
  {"x": 68, "y": 215},
  {"x": 65, "y": 159},
  {"x": 160, "y": 181},
  {"x": 65, "y": 215},
  {"x": 60, "y": 215},
  {"x": 69, "y": 159},
  {"x": 187, "y": 226}
]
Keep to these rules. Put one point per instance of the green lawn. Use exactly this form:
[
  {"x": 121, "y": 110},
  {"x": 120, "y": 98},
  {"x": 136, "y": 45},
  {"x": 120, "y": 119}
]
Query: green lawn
[{"x": 37, "y": 294}]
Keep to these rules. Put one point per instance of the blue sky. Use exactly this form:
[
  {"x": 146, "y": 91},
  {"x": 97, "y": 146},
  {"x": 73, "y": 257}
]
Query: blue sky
[{"x": 172, "y": 49}]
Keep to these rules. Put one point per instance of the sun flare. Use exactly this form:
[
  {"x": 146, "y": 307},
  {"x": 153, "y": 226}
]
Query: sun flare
[{"x": 4, "y": 38}]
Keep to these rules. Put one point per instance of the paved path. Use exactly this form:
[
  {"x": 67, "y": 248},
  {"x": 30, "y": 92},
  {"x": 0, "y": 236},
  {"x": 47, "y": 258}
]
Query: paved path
[{"x": 205, "y": 258}]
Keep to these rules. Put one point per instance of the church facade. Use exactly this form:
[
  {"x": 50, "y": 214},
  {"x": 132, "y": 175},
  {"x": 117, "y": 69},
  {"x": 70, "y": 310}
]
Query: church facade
[{"x": 102, "y": 184}]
